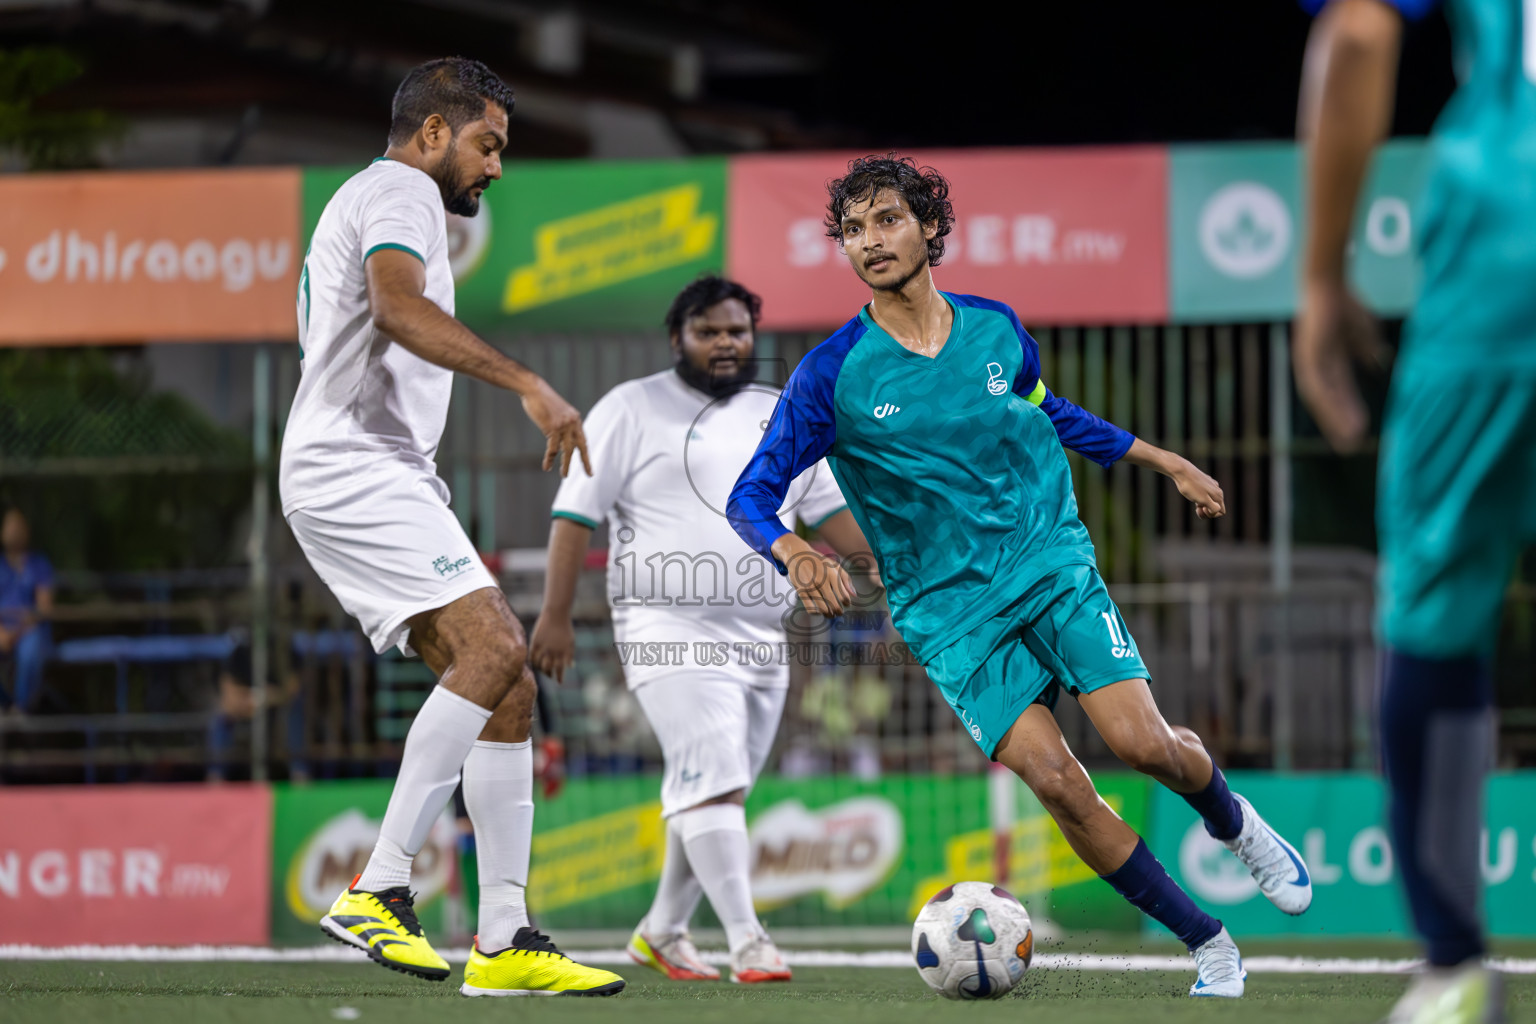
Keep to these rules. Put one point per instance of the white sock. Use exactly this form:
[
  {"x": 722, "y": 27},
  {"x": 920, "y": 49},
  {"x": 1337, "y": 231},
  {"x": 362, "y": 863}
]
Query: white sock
[
  {"x": 678, "y": 892},
  {"x": 498, "y": 793},
  {"x": 715, "y": 836},
  {"x": 440, "y": 739}
]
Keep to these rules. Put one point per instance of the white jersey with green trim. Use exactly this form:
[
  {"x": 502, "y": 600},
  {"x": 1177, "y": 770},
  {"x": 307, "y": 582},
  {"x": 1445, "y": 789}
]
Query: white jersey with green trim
[
  {"x": 687, "y": 592},
  {"x": 365, "y": 405}
]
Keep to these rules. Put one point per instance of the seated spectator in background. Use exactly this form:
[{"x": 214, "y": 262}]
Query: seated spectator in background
[{"x": 26, "y": 602}]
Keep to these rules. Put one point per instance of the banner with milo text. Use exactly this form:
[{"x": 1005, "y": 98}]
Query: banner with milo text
[
  {"x": 1338, "y": 823},
  {"x": 322, "y": 835},
  {"x": 575, "y": 245},
  {"x": 824, "y": 851}
]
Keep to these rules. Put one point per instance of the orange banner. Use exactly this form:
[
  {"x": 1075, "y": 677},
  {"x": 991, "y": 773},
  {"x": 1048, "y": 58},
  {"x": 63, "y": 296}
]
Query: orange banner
[{"x": 94, "y": 258}]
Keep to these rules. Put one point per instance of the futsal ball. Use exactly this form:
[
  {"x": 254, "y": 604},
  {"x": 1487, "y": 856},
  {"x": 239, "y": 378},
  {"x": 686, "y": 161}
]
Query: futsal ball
[{"x": 973, "y": 940}]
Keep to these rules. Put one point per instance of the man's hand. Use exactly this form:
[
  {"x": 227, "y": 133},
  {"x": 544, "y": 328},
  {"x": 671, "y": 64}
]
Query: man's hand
[
  {"x": 1201, "y": 489},
  {"x": 552, "y": 648},
  {"x": 1333, "y": 330},
  {"x": 561, "y": 425},
  {"x": 823, "y": 585},
  {"x": 7, "y": 638}
]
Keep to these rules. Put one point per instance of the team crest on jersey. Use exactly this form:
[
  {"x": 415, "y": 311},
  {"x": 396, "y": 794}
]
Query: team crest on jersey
[{"x": 995, "y": 382}]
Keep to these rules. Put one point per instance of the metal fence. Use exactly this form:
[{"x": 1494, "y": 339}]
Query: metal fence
[{"x": 1258, "y": 637}]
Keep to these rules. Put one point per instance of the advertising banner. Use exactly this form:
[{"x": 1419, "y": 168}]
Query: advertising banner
[
  {"x": 825, "y": 851},
  {"x": 150, "y": 865},
  {"x": 91, "y": 258},
  {"x": 1338, "y": 823},
  {"x": 576, "y": 245},
  {"x": 1064, "y": 236},
  {"x": 1236, "y": 230},
  {"x": 322, "y": 835}
]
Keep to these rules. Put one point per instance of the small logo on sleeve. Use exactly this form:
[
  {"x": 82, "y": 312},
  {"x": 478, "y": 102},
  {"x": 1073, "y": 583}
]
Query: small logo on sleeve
[
  {"x": 995, "y": 383},
  {"x": 1119, "y": 643},
  {"x": 446, "y": 567},
  {"x": 882, "y": 411}
]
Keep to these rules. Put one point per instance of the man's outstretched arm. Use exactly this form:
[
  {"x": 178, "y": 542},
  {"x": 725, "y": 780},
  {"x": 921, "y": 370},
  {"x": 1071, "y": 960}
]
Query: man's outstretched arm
[
  {"x": 1190, "y": 479},
  {"x": 1345, "y": 110},
  {"x": 396, "y": 295}
]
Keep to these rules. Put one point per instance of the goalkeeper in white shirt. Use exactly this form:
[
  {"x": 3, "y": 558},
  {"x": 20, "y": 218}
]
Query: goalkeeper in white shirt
[{"x": 700, "y": 618}]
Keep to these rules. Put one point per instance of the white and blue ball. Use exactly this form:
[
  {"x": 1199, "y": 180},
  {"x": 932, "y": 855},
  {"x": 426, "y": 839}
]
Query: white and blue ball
[{"x": 972, "y": 940}]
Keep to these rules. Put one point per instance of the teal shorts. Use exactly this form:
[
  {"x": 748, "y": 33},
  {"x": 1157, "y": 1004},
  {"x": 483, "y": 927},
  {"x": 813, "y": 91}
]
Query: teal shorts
[
  {"x": 1065, "y": 632},
  {"x": 1456, "y": 502}
]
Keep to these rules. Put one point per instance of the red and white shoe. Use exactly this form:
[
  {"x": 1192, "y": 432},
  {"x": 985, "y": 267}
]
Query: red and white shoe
[
  {"x": 758, "y": 961},
  {"x": 672, "y": 955}
]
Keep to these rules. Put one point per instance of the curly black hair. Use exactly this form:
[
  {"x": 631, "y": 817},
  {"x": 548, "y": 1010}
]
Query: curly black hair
[
  {"x": 704, "y": 291},
  {"x": 925, "y": 191},
  {"x": 455, "y": 87}
]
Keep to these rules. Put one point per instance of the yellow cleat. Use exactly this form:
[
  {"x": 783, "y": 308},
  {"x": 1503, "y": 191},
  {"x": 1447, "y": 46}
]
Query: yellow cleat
[
  {"x": 532, "y": 966},
  {"x": 384, "y": 925}
]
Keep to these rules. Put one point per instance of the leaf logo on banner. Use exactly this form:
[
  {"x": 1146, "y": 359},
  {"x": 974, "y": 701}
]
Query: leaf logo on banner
[{"x": 611, "y": 244}]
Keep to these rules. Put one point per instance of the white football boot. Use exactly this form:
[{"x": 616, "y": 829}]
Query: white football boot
[
  {"x": 1466, "y": 994},
  {"x": 1273, "y": 862},
  {"x": 758, "y": 961},
  {"x": 673, "y": 955},
  {"x": 1219, "y": 967}
]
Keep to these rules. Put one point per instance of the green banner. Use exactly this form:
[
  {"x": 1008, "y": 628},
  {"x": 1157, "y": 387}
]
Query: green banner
[
  {"x": 322, "y": 834},
  {"x": 825, "y": 851},
  {"x": 1236, "y": 230},
  {"x": 576, "y": 245},
  {"x": 1338, "y": 823}
]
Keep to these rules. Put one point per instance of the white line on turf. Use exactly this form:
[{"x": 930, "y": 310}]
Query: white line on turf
[{"x": 796, "y": 957}]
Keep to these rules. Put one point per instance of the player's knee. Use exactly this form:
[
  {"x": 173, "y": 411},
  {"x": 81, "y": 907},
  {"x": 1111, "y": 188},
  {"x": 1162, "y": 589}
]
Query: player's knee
[
  {"x": 1155, "y": 755},
  {"x": 1061, "y": 789},
  {"x": 506, "y": 656}
]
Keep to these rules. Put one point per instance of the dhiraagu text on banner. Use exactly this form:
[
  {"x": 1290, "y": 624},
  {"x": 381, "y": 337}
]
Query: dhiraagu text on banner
[
  {"x": 576, "y": 245},
  {"x": 1338, "y": 822}
]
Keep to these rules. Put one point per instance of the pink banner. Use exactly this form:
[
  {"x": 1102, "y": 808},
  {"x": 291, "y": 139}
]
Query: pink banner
[
  {"x": 141, "y": 865},
  {"x": 1064, "y": 236}
]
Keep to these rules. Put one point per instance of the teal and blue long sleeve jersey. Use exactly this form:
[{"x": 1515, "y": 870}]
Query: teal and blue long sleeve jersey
[
  {"x": 1475, "y": 224},
  {"x": 952, "y": 465}
]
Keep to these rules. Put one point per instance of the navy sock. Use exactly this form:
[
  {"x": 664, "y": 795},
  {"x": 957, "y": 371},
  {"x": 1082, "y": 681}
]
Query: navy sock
[
  {"x": 1145, "y": 884},
  {"x": 1436, "y": 740},
  {"x": 1223, "y": 817}
]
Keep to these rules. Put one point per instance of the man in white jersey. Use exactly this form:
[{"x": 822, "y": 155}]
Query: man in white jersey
[
  {"x": 361, "y": 493},
  {"x": 699, "y": 618}
]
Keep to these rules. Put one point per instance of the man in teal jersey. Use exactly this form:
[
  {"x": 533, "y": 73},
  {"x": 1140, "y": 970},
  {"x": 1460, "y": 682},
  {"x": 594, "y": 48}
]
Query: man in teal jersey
[
  {"x": 947, "y": 445},
  {"x": 1458, "y": 469}
]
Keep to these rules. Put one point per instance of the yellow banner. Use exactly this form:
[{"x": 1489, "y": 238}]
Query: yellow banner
[
  {"x": 1039, "y": 858},
  {"x": 591, "y": 858},
  {"x": 613, "y": 243}
]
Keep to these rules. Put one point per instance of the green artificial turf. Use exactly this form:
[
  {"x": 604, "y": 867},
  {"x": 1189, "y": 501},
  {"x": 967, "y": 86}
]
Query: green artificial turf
[{"x": 53, "y": 992}]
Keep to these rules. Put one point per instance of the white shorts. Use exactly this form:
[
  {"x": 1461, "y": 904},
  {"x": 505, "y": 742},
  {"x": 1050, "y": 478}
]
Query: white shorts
[
  {"x": 390, "y": 551},
  {"x": 715, "y": 734}
]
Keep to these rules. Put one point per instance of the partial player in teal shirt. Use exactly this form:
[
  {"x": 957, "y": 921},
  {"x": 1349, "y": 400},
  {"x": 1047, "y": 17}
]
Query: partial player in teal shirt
[
  {"x": 1456, "y": 497},
  {"x": 947, "y": 446}
]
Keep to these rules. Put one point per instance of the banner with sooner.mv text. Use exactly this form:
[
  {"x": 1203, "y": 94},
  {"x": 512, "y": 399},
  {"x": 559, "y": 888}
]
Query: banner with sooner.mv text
[
  {"x": 130, "y": 257},
  {"x": 1061, "y": 235},
  {"x": 144, "y": 865}
]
